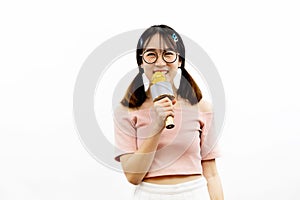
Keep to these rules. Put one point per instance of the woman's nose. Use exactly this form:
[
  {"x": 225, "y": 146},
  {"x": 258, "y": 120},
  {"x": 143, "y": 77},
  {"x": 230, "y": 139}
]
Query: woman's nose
[{"x": 160, "y": 61}]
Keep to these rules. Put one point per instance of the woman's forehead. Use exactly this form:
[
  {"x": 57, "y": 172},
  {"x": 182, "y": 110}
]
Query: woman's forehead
[{"x": 157, "y": 42}]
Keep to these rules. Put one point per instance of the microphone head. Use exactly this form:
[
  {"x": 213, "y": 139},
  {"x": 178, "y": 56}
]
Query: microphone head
[{"x": 158, "y": 77}]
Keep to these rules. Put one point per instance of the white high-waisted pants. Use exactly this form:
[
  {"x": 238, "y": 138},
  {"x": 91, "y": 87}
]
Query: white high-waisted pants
[{"x": 192, "y": 190}]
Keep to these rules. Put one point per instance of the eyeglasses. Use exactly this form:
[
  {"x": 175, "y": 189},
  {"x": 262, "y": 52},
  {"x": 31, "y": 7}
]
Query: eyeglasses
[{"x": 151, "y": 56}]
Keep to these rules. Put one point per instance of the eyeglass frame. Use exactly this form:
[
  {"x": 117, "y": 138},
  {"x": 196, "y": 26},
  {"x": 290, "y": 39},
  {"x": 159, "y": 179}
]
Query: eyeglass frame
[{"x": 158, "y": 54}]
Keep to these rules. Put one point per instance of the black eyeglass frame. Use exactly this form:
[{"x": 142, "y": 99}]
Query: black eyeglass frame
[{"x": 176, "y": 53}]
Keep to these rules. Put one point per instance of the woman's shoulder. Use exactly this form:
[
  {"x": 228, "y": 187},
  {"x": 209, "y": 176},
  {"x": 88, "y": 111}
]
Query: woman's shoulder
[{"x": 205, "y": 106}]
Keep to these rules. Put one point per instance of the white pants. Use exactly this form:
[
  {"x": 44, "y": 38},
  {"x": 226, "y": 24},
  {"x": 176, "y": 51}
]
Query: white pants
[{"x": 192, "y": 190}]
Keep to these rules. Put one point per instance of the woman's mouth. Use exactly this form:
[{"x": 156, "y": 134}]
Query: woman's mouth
[{"x": 163, "y": 71}]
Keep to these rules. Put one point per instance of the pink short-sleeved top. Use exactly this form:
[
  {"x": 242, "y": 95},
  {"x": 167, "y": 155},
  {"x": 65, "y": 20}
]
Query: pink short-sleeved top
[{"x": 180, "y": 150}]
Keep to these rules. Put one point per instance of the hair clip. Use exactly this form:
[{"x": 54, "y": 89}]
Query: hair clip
[{"x": 174, "y": 37}]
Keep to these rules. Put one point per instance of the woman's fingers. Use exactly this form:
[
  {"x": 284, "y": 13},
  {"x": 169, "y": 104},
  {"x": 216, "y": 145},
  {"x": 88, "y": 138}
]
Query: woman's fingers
[
  {"x": 164, "y": 108},
  {"x": 165, "y": 99}
]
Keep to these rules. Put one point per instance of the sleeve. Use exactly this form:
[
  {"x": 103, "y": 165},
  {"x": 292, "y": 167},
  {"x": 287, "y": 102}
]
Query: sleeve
[
  {"x": 209, "y": 138},
  {"x": 124, "y": 132}
]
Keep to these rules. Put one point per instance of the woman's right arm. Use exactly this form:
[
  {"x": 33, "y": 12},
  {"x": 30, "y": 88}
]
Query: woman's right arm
[{"x": 136, "y": 165}]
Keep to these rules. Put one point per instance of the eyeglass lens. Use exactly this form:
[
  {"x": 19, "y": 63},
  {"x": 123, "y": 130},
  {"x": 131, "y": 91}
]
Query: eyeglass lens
[{"x": 151, "y": 57}]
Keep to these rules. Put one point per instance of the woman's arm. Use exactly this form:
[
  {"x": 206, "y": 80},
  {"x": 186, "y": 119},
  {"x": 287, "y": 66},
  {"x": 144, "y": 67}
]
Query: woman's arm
[
  {"x": 213, "y": 180},
  {"x": 136, "y": 165}
]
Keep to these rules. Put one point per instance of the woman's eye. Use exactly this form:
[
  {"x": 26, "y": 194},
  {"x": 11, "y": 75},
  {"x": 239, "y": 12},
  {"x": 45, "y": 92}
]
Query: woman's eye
[
  {"x": 151, "y": 54},
  {"x": 169, "y": 53}
]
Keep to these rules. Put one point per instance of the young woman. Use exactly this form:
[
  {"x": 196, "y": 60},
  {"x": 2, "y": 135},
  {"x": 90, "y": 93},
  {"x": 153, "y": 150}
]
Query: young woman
[{"x": 176, "y": 163}]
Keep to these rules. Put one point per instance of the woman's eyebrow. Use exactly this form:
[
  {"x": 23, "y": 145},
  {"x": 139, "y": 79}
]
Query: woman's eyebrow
[
  {"x": 153, "y": 49},
  {"x": 150, "y": 49},
  {"x": 169, "y": 49}
]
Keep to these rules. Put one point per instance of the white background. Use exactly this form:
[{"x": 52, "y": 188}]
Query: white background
[{"x": 254, "y": 45}]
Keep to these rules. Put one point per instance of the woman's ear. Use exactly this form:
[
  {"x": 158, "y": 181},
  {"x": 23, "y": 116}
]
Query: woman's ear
[{"x": 179, "y": 63}]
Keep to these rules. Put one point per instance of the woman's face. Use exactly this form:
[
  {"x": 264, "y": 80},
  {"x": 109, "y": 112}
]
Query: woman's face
[{"x": 156, "y": 46}]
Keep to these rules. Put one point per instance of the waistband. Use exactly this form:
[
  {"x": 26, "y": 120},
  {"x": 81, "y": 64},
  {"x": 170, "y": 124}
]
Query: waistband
[{"x": 174, "y": 188}]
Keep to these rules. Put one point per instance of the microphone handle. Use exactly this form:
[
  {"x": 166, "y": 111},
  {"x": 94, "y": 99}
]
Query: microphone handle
[{"x": 169, "y": 123}]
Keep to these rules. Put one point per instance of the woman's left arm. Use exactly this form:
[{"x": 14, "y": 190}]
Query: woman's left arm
[{"x": 213, "y": 180}]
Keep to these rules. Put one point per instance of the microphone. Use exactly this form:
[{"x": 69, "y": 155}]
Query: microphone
[{"x": 161, "y": 88}]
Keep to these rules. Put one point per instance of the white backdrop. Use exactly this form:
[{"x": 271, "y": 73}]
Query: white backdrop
[{"x": 254, "y": 45}]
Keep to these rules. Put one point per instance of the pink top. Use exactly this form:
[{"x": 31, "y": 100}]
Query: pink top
[{"x": 180, "y": 150}]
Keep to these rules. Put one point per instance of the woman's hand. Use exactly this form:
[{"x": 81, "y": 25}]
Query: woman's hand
[{"x": 162, "y": 109}]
